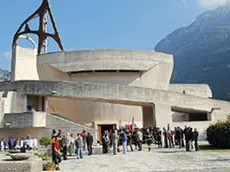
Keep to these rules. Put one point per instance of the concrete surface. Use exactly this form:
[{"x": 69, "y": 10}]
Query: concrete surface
[
  {"x": 201, "y": 90},
  {"x": 164, "y": 160},
  {"x": 126, "y": 67},
  {"x": 120, "y": 94},
  {"x": 160, "y": 100},
  {"x": 26, "y": 120}
]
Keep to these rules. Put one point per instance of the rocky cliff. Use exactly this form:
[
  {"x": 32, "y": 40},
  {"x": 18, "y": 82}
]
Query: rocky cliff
[
  {"x": 4, "y": 75},
  {"x": 202, "y": 51}
]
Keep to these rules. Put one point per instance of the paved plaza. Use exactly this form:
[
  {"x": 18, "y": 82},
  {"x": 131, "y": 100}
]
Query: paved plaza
[{"x": 165, "y": 160}]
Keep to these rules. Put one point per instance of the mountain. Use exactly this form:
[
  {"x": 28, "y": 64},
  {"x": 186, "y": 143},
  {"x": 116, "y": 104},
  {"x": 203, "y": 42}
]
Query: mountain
[
  {"x": 202, "y": 52},
  {"x": 4, "y": 75}
]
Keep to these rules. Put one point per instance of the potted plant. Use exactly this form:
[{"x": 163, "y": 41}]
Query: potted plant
[{"x": 49, "y": 166}]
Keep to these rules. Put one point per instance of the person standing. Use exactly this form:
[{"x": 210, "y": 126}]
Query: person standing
[
  {"x": 129, "y": 139},
  {"x": 170, "y": 138},
  {"x": 177, "y": 136},
  {"x": 22, "y": 144},
  {"x": 1, "y": 145},
  {"x": 89, "y": 142},
  {"x": 35, "y": 143},
  {"x": 79, "y": 144},
  {"x": 71, "y": 146},
  {"x": 135, "y": 138},
  {"x": 159, "y": 138},
  {"x": 115, "y": 138},
  {"x": 53, "y": 133},
  {"x": 165, "y": 134},
  {"x": 196, "y": 135},
  {"x": 182, "y": 137},
  {"x": 65, "y": 142},
  {"x": 190, "y": 139},
  {"x": 186, "y": 135},
  {"x": 124, "y": 141},
  {"x": 139, "y": 139},
  {"x": 56, "y": 154},
  {"x": 84, "y": 135},
  {"x": 17, "y": 146},
  {"x": 105, "y": 142},
  {"x": 59, "y": 133},
  {"x": 148, "y": 137}
]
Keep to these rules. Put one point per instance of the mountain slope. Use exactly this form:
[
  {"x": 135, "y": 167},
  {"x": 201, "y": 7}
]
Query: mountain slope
[
  {"x": 202, "y": 51},
  {"x": 4, "y": 75}
]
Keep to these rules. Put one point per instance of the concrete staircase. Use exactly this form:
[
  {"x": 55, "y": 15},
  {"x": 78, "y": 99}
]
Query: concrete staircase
[{"x": 56, "y": 121}]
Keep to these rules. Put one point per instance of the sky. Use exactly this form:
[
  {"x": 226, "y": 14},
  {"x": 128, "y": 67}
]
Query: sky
[{"x": 100, "y": 24}]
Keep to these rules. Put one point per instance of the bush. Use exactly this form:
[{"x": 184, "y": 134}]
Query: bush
[
  {"x": 218, "y": 134},
  {"x": 45, "y": 141},
  {"x": 49, "y": 166}
]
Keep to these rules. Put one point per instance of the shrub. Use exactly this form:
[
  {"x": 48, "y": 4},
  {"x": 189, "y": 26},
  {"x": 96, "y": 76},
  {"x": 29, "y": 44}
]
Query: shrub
[
  {"x": 218, "y": 134},
  {"x": 45, "y": 141},
  {"x": 49, "y": 166}
]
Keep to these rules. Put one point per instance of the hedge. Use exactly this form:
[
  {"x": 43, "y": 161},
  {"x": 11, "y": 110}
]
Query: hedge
[{"x": 218, "y": 134}]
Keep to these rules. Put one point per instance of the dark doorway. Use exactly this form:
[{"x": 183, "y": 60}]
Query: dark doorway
[{"x": 102, "y": 128}]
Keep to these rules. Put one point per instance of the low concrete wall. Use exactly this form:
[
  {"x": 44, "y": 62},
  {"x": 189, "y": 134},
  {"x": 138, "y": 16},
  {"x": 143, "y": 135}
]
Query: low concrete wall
[
  {"x": 51, "y": 122},
  {"x": 26, "y": 120},
  {"x": 31, "y": 165},
  {"x": 201, "y": 90}
]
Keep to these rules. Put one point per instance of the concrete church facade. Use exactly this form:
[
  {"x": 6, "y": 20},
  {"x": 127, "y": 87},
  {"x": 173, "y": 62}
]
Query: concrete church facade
[
  {"x": 96, "y": 90},
  {"x": 119, "y": 85}
]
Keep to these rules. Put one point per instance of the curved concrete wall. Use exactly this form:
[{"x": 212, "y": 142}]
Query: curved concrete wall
[
  {"x": 155, "y": 71},
  {"x": 104, "y": 55}
]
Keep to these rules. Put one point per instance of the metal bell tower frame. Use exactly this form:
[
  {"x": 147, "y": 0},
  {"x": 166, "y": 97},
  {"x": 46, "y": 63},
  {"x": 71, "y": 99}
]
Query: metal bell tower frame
[{"x": 42, "y": 13}]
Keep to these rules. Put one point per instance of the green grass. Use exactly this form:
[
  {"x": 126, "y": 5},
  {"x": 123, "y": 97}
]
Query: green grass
[{"x": 210, "y": 148}]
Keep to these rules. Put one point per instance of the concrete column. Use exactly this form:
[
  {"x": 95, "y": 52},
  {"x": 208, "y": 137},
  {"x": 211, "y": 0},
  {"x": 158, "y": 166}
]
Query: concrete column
[
  {"x": 1, "y": 113},
  {"x": 163, "y": 115},
  {"x": 21, "y": 103},
  {"x": 46, "y": 104},
  {"x": 209, "y": 116},
  {"x": 218, "y": 115},
  {"x": 148, "y": 116},
  {"x": 40, "y": 103},
  {"x": 20, "y": 70}
]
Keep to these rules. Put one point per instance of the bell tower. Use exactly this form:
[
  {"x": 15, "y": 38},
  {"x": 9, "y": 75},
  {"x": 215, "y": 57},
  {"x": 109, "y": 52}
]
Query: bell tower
[{"x": 42, "y": 13}]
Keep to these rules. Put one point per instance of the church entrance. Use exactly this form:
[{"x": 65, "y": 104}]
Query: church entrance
[{"x": 103, "y": 127}]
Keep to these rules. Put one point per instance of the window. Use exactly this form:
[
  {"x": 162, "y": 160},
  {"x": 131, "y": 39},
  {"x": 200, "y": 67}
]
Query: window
[
  {"x": 186, "y": 115},
  {"x": 198, "y": 116}
]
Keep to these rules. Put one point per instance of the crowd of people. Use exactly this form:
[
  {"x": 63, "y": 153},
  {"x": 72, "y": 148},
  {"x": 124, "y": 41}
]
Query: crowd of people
[
  {"x": 112, "y": 141},
  {"x": 187, "y": 137},
  {"x": 125, "y": 138},
  {"x": 66, "y": 144},
  {"x": 27, "y": 143}
]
